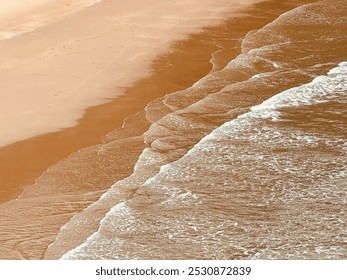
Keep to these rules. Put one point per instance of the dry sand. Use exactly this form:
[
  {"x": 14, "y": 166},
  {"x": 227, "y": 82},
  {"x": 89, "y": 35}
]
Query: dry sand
[
  {"x": 51, "y": 75},
  {"x": 17, "y": 16}
]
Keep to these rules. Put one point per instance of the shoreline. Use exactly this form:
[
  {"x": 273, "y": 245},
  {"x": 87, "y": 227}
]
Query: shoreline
[
  {"x": 28, "y": 158},
  {"x": 51, "y": 107},
  {"x": 22, "y": 162}
]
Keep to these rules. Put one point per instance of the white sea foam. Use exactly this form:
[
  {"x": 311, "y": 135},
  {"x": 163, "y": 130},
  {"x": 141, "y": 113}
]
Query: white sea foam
[
  {"x": 121, "y": 211},
  {"x": 320, "y": 90}
]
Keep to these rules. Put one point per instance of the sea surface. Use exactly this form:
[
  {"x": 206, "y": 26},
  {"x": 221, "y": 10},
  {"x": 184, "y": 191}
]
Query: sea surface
[{"x": 250, "y": 162}]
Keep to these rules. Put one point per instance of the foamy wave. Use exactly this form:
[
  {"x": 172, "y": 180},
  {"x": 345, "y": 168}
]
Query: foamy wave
[
  {"x": 320, "y": 90},
  {"x": 185, "y": 171}
]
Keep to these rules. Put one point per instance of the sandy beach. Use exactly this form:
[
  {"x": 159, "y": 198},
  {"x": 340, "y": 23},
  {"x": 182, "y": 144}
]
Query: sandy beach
[{"x": 133, "y": 129}]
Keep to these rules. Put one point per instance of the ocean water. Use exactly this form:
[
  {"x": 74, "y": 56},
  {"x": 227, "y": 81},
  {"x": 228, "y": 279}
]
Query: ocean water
[{"x": 250, "y": 162}]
